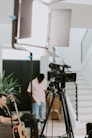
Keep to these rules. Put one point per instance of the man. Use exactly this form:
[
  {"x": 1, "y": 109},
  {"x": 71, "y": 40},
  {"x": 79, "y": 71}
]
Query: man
[
  {"x": 4, "y": 112},
  {"x": 6, "y": 117},
  {"x": 39, "y": 87}
]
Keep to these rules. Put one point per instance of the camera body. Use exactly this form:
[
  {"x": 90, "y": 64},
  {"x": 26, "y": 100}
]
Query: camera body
[{"x": 58, "y": 75}]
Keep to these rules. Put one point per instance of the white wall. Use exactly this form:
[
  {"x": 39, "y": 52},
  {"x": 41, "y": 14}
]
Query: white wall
[
  {"x": 44, "y": 65},
  {"x": 86, "y": 67},
  {"x": 0, "y": 60},
  {"x": 6, "y": 10},
  {"x": 72, "y": 54},
  {"x": 81, "y": 14},
  {"x": 13, "y": 54},
  {"x": 5, "y": 35}
]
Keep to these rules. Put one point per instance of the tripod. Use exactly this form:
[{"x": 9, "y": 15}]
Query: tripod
[{"x": 69, "y": 131}]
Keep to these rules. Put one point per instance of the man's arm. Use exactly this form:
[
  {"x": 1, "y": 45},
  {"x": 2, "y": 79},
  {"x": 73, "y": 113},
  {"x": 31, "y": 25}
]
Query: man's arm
[{"x": 8, "y": 119}]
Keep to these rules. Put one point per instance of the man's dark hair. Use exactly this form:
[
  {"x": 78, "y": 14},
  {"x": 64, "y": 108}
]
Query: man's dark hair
[
  {"x": 40, "y": 78},
  {"x": 1, "y": 95}
]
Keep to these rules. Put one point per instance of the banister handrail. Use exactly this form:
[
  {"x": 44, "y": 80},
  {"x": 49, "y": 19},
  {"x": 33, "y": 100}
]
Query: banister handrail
[
  {"x": 73, "y": 96},
  {"x": 76, "y": 101}
]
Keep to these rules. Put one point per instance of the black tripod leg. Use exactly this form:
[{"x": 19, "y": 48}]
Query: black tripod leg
[
  {"x": 47, "y": 115},
  {"x": 71, "y": 135},
  {"x": 66, "y": 115}
]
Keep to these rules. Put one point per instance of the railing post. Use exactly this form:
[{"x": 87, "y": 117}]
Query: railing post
[{"x": 76, "y": 102}]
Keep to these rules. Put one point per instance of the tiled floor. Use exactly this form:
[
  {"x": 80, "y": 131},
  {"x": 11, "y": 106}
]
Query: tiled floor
[{"x": 56, "y": 128}]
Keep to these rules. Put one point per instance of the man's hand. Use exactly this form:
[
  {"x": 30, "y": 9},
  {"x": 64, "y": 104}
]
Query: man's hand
[{"x": 14, "y": 117}]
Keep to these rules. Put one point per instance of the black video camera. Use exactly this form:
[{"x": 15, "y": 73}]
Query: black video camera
[{"x": 58, "y": 74}]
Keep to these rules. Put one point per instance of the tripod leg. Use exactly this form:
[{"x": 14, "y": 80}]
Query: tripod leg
[
  {"x": 66, "y": 115},
  {"x": 47, "y": 115}
]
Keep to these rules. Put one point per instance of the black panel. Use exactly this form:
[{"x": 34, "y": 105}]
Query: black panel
[
  {"x": 24, "y": 73},
  {"x": 89, "y": 129}
]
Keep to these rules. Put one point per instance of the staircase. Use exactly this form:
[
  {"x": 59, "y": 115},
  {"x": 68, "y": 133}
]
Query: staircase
[{"x": 84, "y": 98}]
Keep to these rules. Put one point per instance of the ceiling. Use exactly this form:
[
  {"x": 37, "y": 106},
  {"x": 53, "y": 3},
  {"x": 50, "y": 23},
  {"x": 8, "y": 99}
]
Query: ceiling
[
  {"x": 79, "y": 9},
  {"x": 87, "y": 2},
  {"x": 50, "y": 1}
]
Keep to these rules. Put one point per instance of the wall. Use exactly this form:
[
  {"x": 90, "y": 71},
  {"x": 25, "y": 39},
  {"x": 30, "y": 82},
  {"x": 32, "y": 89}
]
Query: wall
[
  {"x": 86, "y": 66},
  {"x": 0, "y": 60},
  {"x": 44, "y": 65},
  {"x": 80, "y": 13},
  {"x": 15, "y": 54},
  {"x": 6, "y": 10},
  {"x": 72, "y": 54}
]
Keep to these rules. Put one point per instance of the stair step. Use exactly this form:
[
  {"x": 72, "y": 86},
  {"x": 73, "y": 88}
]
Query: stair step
[
  {"x": 80, "y": 77},
  {"x": 85, "y": 91},
  {"x": 85, "y": 104},
  {"x": 85, "y": 110},
  {"x": 78, "y": 82},
  {"x": 82, "y": 97},
  {"x": 81, "y": 86},
  {"x": 85, "y": 118},
  {"x": 80, "y": 92}
]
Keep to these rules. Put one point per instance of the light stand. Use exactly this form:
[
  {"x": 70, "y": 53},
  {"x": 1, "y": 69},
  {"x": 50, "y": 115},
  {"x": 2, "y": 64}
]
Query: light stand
[{"x": 31, "y": 72}]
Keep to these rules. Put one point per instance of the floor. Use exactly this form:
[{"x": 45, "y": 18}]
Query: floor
[{"x": 57, "y": 129}]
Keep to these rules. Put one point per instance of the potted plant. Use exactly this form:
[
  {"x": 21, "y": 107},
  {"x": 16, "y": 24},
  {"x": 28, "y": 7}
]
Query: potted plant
[{"x": 8, "y": 85}]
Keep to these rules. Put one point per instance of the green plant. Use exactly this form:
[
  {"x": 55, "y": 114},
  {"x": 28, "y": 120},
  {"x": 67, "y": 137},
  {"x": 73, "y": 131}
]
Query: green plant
[{"x": 8, "y": 85}]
